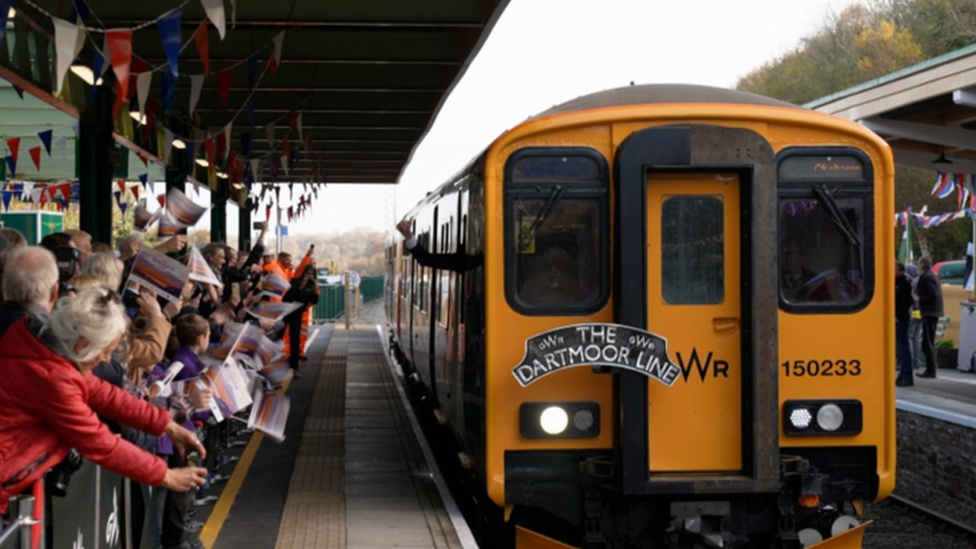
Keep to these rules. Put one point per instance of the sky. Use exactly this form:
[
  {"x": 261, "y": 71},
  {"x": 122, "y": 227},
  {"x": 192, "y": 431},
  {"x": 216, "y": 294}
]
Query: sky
[{"x": 546, "y": 52}]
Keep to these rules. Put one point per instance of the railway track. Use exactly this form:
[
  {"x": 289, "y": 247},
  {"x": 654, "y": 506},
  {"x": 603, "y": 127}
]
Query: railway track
[{"x": 904, "y": 524}]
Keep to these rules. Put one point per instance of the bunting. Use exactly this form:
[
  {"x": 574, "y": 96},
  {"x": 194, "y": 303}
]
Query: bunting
[
  {"x": 35, "y": 154},
  {"x": 223, "y": 85},
  {"x": 67, "y": 45},
  {"x": 45, "y": 137},
  {"x": 119, "y": 44},
  {"x": 215, "y": 13},
  {"x": 202, "y": 40}
]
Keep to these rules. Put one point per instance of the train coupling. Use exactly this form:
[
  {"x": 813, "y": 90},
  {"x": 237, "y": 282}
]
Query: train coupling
[{"x": 706, "y": 520}]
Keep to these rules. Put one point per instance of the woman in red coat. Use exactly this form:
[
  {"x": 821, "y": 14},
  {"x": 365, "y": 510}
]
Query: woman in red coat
[{"x": 50, "y": 402}]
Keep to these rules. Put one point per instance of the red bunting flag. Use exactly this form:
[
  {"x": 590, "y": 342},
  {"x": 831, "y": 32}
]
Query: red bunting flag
[
  {"x": 223, "y": 86},
  {"x": 267, "y": 213},
  {"x": 221, "y": 144},
  {"x": 13, "y": 143},
  {"x": 161, "y": 198},
  {"x": 135, "y": 192},
  {"x": 65, "y": 190},
  {"x": 203, "y": 46},
  {"x": 120, "y": 183},
  {"x": 119, "y": 43},
  {"x": 35, "y": 154},
  {"x": 273, "y": 66}
]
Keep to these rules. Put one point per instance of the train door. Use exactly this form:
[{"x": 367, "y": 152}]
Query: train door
[
  {"x": 693, "y": 280},
  {"x": 695, "y": 265}
]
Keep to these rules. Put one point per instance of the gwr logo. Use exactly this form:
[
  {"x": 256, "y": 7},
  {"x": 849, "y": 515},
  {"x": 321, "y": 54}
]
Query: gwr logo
[{"x": 717, "y": 368}]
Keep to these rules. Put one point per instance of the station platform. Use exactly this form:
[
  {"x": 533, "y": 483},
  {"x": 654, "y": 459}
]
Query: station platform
[
  {"x": 950, "y": 397},
  {"x": 352, "y": 471}
]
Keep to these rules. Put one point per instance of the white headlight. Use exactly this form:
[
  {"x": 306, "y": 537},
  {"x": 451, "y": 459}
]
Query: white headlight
[
  {"x": 553, "y": 420},
  {"x": 830, "y": 417},
  {"x": 800, "y": 418}
]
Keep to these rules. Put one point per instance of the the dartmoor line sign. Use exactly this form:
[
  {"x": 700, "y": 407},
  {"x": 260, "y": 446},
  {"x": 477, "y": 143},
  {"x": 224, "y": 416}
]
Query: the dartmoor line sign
[{"x": 596, "y": 344}]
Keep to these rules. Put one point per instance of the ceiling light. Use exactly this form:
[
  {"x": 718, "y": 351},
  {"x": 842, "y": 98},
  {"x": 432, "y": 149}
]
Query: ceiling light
[
  {"x": 179, "y": 144},
  {"x": 86, "y": 74},
  {"x": 222, "y": 175},
  {"x": 140, "y": 118},
  {"x": 237, "y": 185},
  {"x": 942, "y": 159},
  {"x": 11, "y": 14},
  {"x": 202, "y": 162}
]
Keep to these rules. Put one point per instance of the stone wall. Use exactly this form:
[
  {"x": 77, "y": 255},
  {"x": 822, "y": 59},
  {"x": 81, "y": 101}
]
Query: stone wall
[{"x": 937, "y": 465}]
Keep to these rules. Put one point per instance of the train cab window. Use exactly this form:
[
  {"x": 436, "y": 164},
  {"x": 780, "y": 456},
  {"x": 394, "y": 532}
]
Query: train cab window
[
  {"x": 556, "y": 231},
  {"x": 693, "y": 250},
  {"x": 825, "y": 212}
]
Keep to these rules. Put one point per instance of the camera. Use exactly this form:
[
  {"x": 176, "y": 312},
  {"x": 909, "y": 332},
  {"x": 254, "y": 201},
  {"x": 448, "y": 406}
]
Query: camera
[
  {"x": 59, "y": 476},
  {"x": 68, "y": 260}
]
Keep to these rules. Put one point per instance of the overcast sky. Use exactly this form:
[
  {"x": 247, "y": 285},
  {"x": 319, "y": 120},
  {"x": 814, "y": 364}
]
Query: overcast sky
[{"x": 544, "y": 52}]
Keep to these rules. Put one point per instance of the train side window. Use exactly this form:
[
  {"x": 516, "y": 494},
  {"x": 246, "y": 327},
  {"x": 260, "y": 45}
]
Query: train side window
[
  {"x": 693, "y": 250},
  {"x": 826, "y": 242},
  {"x": 556, "y": 231}
]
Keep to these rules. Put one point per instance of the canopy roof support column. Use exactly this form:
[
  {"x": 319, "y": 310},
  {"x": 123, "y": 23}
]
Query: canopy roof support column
[{"x": 98, "y": 154}]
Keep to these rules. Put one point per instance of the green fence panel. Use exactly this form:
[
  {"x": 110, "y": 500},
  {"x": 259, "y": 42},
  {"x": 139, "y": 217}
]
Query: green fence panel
[
  {"x": 332, "y": 303},
  {"x": 371, "y": 287}
]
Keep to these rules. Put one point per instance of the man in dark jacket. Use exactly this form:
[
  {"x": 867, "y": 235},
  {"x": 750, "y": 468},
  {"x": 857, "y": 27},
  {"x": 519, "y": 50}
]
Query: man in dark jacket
[
  {"x": 929, "y": 292},
  {"x": 903, "y": 318}
]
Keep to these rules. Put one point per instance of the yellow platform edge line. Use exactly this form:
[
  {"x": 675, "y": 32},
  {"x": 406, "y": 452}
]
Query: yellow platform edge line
[{"x": 221, "y": 510}]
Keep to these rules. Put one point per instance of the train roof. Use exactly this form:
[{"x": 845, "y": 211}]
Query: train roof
[{"x": 661, "y": 93}]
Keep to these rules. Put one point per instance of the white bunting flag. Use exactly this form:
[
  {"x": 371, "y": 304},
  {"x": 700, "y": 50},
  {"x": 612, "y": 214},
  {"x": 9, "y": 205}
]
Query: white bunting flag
[
  {"x": 196, "y": 85},
  {"x": 278, "y": 41},
  {"x": 215, "y": 13},
  {"x": 66, "y": 43},
  {"x": 255, "y": 169},
  {"x": 143, "y": 83},
  {"x": 61, "y": 145},
  {"x": 26, "y": 190}
]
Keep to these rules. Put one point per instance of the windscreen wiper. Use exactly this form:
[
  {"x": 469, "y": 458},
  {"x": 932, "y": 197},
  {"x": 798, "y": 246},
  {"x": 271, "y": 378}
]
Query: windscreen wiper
[
  {"x": 839, "y": 219},
  {"x": 554, "y": 196}
]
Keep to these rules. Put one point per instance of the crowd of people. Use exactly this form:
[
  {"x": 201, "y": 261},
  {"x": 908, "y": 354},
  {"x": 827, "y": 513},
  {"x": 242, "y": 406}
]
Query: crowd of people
[{"x": 89, "y": 368}]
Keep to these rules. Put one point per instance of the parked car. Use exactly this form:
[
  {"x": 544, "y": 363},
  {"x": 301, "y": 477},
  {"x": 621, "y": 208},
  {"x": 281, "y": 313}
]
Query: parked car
[{"x": 951, "y": 272}]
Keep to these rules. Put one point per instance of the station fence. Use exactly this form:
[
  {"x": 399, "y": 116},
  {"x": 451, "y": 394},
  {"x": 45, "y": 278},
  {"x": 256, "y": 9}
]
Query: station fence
[{"x": 332, "y": 298}]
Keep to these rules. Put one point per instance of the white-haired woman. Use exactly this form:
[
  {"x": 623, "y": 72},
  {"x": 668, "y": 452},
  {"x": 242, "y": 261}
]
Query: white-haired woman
[
  {"x": 50, "y": 402},
  {"x": 106, "y": 268}
]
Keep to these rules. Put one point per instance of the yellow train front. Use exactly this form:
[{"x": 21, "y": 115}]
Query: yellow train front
[{"x": 668, "y": 322}]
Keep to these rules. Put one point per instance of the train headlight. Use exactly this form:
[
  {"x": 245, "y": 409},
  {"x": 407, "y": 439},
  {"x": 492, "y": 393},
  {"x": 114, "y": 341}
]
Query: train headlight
[
  {"x": 800, "y": 418},
  {"x": 559, "y": 419},
  {"x": 830, "y": 417},
  {"x": 554, "y": 420},
  {"x": 822, "y": 417}
]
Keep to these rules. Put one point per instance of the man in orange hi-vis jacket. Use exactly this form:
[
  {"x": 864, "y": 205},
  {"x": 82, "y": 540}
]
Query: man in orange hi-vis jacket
[{"x": 307, "y": 312}]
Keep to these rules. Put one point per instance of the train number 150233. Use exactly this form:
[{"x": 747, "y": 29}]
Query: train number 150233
[{"x": 821, "y": 368}]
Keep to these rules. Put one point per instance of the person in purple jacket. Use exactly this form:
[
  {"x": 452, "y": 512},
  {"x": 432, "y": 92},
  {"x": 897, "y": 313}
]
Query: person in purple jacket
[{"x": 191, "y": 336}]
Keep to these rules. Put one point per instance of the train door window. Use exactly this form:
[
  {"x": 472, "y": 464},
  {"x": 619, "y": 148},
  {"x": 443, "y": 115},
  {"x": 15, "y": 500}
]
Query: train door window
[
  {"x": 693, "y": 250},
  {"x": 825, "y": 219},
  {"x": 557, "y": 231}
]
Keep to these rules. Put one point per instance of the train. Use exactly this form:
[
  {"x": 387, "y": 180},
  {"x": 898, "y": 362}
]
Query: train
[{"x": 666, "y": 322}]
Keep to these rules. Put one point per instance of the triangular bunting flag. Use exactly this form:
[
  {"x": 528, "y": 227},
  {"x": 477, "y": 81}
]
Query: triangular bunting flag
[
  {"x": 35, "y": 154},
  {"x": 119, "y": 42},
  {"x": 65, "y": 43},
  {"x": 223, "y": 85},
  {"x": 215, "y": 13},
  {"x": 45, "y": 137},
  {"x": 203, "y": 46},
  {"x": 161, "y": 198},
  {"x": 7, "y": 196},
  {"x": 143, "y": 83},
  {"x": 11, "y": 166},
  {"x": 61, "y": 145},
  {"x": 252, "y": 70},
  {"x": 13, "y": 144},
  {"x": 196, "y": 86},
  {"x": 169, "y": 90},
  {"x": 5, "y": 9},
  {"x": 170, "y": 32},
  {"x": 19, "y": 90}
]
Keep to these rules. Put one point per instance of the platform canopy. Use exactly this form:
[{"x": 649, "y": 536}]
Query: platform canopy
[
  {"x": 926, "y": 113},
  {"x": 308, "y": 91}
]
